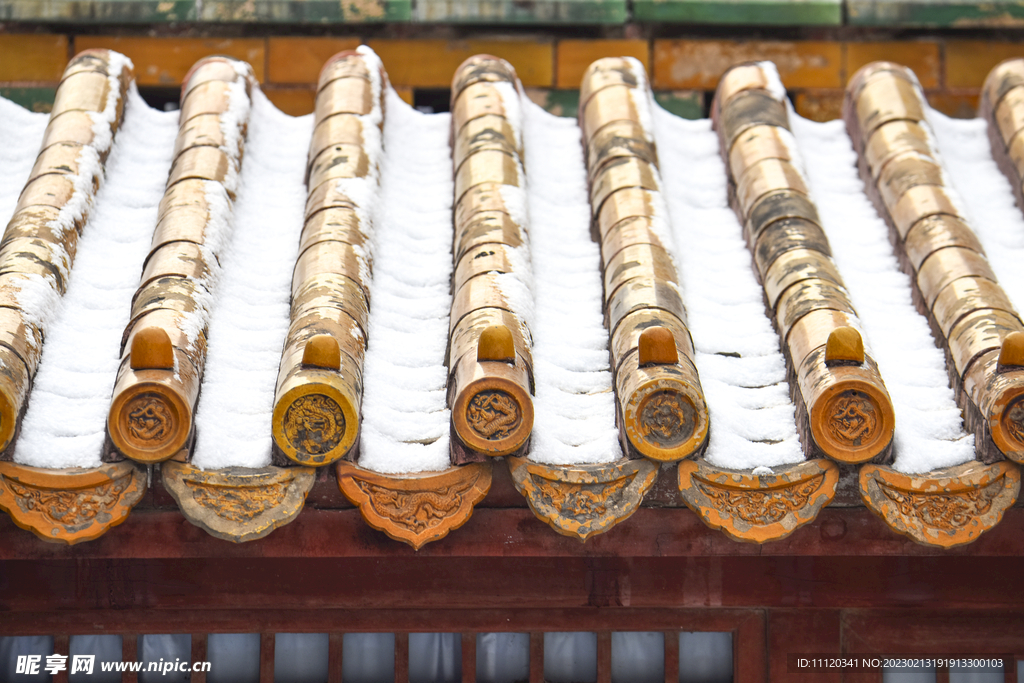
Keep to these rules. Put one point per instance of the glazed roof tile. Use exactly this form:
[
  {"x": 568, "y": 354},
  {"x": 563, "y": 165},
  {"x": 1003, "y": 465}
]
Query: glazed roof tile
[{"x": 407, "y": 301}]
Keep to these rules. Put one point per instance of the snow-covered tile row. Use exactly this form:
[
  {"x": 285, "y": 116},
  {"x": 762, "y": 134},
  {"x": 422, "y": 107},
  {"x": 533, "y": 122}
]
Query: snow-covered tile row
[
  {"x": 929, "y": 430},
  {"x": 985, "y": 195},
  {"x": 250, "y": 317},
  {"x": 405, "y": 416},
  {"x": 65, "y": 423},
  {"x": 742, "y": 370},
  {"x": 574, "y": 406}
]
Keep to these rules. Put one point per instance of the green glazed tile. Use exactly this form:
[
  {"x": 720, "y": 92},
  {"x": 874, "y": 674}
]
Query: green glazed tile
[
  {"x": 935, "y": 13},
  {"x": 33, "y": 99},
  {"x": 557, "y": 102},
  {"x": 97, "y": 11},
  {"x": 689, "y": 104},
  {"x": 772, "y": 12},
  {"x": 521, "y": 11},
  {"x": 306, "y": 11}
]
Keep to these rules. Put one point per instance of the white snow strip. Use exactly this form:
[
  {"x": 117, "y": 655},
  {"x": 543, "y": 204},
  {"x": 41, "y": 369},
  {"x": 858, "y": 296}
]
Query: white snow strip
[
  {"x": 65, "y": 424},
  {"x": 251, "y": 313},
  {"x": 929, "y": 431},
  {"x": 985, "y": 195},
  {"x": 405, "y": 414},
  {"x": 20, "y": 137},
  {"x": 574, "y": 406},
  {"x": 741, "y": 368}
]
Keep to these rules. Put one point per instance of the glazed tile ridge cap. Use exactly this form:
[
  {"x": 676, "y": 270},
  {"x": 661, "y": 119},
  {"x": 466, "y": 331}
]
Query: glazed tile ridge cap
[
  {"x": 991, "y": 392},
  {"x": 662, "y": 411},
  {"x": 38, "y": 292},
  {"x": 322, "y": 361},
  {"x": 152, "y": 408},
  {"x": 489, "y": 354},
  {"x": 825, "y": 346}
]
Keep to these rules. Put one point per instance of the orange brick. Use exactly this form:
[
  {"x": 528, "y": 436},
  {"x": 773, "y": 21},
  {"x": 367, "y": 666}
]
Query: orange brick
[
  {"x": 819, "y": 105},
  {"x": 32, "y": 57},
  {"x": 698, "y": 64},
  {"x": 969, "y": 61},
  {"x": 292, "y": 101},
  {"x": 165, "y": 61},
  {"x": 299, "y": 60},
  {"x": 574, "y": 56},
  {"x": 962, "y": 105},
  {"x": 920, "y": 57},
  {"x": 432, "y": 63}
]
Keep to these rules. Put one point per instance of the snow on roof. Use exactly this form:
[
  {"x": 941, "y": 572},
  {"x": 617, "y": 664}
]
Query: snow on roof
[{"x": 406, "y": 419}]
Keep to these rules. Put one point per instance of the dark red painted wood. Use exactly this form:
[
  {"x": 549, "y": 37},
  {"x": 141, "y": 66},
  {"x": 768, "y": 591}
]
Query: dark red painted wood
[
  {"x": 802, "y": 632},
  {"x": 335, "y": 648},
  {"x": 671, "y": 657},
  {"x": 129, "y": 643},
  {"x": 749, "y": 645},
  {"x": 503, "y": 532},
  {"x": 198, "y": 655},
  {"x": 267, "y": 653},
  {"x": 604, "y": 657},
  {"x": 468, "y": 658},
  {"x": 525, "y": 582},
  {"x": 537, "y": 657},
  {"x": 61, "y": 646},
  {"x": 402, "y": 657},
  {"x": 933, "y": 633}
]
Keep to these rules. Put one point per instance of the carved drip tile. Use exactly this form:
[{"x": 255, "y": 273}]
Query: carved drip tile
[
  {"x": 583, "y": 500},
  {"x": 70, "y": 505},
  {"x": 238, "y": 504},
  {"x": 943, "y": 508},
  {"x": 758, "y": 508},
  {"x": 416, "y": 508}
]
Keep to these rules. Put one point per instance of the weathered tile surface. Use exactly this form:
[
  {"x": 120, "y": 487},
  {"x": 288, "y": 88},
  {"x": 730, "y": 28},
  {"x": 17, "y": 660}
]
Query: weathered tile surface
[
  {"x": 699, "y": 64},
  {"x": 97, "y": 11},
  {"x": 431, "y": 63},
  {"x": 520, "y": 12},
  {"x": 574, "y": 56},
  {"x": 32, "y": 57},
  {"x": 935, "y": 13},
  {"x": 306, "y": 11},
  {"x": 969, "y": 61},
  {"x": 819, "y": 105},
  {"x": 293, "y": 59},
  {"x": 921, "y": 57},
  {"x": 165, "y": 61}
]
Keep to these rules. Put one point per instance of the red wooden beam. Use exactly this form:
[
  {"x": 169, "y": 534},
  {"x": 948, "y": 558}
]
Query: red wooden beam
[
  {"x": 525, "y": 582},
  {"x": 508, "y": 532}
]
